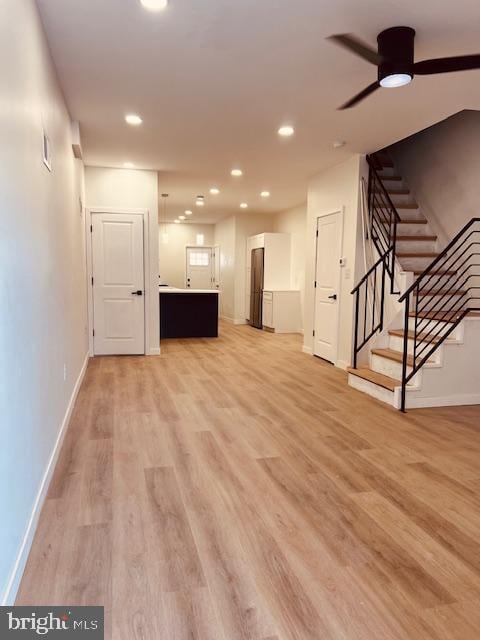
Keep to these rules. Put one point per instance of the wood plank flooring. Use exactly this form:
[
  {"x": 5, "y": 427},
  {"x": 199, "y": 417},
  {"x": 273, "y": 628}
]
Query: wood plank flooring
[{"x": 238, "y": 489}]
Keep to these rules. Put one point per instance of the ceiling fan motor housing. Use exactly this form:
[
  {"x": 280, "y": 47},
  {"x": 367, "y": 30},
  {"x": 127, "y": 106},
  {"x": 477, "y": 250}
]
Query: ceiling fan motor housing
[{"x": 396, "y": 47}]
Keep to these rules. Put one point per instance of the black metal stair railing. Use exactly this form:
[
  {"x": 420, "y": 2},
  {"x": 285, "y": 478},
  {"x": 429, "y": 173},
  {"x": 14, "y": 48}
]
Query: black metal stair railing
[
  {"x": 383, "y": 218},
  {"x": 439, "y": 300},
  {"x": 370, "y": 292}
]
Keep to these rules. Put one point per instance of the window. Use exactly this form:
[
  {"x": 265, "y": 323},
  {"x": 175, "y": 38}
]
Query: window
[{"x": 199, "y": 258}]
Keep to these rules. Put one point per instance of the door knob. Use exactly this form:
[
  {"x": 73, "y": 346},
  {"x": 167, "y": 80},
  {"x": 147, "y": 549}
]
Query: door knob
[
  {"x": 334, "y": 297},
  {"x": 137, "y": 293}
]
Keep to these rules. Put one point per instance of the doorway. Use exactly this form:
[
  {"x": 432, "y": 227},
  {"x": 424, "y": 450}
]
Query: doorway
[
  {"x": 201, "y": 268},
  {"x": 118, "y": 283},
  {"x": 327, "y": 286}
]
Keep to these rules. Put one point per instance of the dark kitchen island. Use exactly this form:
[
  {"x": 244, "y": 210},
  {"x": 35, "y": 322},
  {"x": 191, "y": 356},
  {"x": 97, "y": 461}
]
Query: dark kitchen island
[{"x": 188, "y": 313}]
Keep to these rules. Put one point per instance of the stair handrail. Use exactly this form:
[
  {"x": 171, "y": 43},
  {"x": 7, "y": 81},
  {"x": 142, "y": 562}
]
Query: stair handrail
[
  {"x": 377, "y": 219},
  {"x": 385, "y": 243},
  {"x": 376, "y": 326},
  {"x": 438, "y": 259},
  {"x": 451, "y": 306}
]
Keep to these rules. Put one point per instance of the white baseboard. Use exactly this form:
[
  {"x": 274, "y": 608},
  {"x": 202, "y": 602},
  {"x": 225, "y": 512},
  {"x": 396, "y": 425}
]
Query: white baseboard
[
  {"x": 239, "y": 321},
  {"x": 341, "y": 364},
  {"x": 308, "y": 350},
  {"x": 11, "y": 589},
  {"x": 227, "y": 319},
  {"x": 457, "y": 400},
  {"x": 154, "y": 351}
]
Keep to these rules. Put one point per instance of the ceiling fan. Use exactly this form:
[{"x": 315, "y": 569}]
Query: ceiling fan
[{"x": 395, "y": 60}]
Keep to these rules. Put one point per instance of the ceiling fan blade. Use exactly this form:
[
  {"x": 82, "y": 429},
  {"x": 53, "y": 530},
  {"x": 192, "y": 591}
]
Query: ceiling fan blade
[
  {"x": 445, "y": 65},
  {"x": 360, "y": 96},
  {"x": 353, "y": 44}
]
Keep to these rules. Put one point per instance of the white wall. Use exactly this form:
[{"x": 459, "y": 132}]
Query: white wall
[
  {"x": 231, "y": 236},
  {"x": 126, "y": 189},
  {"x": 172, "y": 254},
  {"x": 225, "y": 239},
  {"x": 442, "y": 166},
  {"x": 43, "y": 325},
  {"x": 294, "y": 222},
  {"x": 336, "y": 189}
]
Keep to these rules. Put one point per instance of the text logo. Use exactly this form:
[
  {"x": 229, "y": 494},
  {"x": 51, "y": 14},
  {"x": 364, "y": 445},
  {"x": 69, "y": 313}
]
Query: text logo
[{"x": 22, "y": 623}]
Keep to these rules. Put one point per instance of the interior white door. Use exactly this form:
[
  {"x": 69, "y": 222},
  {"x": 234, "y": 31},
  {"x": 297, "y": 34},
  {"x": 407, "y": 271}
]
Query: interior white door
[
  {"x": 327, "y": 285},
  {"x": 200, "y": 268},
  {"x": 118, "y": 284}
]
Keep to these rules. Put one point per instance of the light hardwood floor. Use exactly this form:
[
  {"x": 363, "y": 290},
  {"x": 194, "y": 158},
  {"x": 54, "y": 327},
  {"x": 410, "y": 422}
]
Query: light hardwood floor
[{"x": 239, "y": 489}]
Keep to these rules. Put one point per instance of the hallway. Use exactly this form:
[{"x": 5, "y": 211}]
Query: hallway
[{"x": 239, "y": 489}]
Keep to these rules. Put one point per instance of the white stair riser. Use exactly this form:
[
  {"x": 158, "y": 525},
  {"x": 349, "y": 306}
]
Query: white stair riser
[
  {"x": 433, "y": 327},
  {"x": 436, "y": 282},
  {"x": 438, "y": 303},
  {"x": 413, "y": 230},
  {"x": 400, "y": 198},
  {"x": 393, "y": 184},
  {"x": 387, "y": 171},
  {"x": 415, "y": 246},
  {"x": 410, "y": 214},
  {"x": 391, "y": 368},
  {"x": 374, "y": 390},
  {"x": 396, "y": 343},
  {"x": 415, "y": 264}
]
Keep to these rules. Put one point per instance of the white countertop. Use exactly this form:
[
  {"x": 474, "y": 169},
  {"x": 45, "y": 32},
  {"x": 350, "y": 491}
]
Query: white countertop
[{"x": 175, "y": 290}]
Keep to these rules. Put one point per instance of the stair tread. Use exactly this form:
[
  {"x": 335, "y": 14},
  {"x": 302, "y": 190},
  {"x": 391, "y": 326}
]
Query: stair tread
[
  {"x": 421, "y": 221},
  {"x": 418, "y": 254},
  {"x": 421, "y": 337},
  {"x": 391, "y": 354},
  {"x": 441, "y": 316},
  {"x": 436, "y": 273},
  {"x": 441, "y": 292},
  {"x": 377, "y": 378},
  {"x": 417, "y": 238},
  {"x": 395, "y": 192}
]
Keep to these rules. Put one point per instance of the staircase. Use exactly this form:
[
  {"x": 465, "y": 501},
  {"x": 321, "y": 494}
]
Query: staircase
[{"x": 424, "y": 354}]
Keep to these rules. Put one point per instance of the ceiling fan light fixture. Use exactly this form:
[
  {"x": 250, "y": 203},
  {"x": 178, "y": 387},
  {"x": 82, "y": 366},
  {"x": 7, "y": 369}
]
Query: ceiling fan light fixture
[
  {"x": 395, "y": 80},
  {"x": 154, "y": 5}
]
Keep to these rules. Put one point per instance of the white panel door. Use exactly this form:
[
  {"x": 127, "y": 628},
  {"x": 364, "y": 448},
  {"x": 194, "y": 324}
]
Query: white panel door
[
  {"x": 118, "y": 284},
  {"x": 327, "y": 278},
  {"x": 200, "y": 268}
]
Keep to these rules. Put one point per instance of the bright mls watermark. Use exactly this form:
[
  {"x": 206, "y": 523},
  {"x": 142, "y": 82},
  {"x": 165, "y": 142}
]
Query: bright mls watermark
[{"x": 21, "y": 623}]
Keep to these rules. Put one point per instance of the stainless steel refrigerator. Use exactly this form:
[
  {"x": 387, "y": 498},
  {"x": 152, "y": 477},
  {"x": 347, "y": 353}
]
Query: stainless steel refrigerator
[{"x": 256, "y": 288}]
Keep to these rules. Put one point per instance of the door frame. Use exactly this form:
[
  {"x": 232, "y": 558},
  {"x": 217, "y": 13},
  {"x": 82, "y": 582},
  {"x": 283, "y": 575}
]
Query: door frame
[
  {"x": 91, "y": 211},
  {"x": 212, "y": 248},
  {"x": 341, "y": 212}
]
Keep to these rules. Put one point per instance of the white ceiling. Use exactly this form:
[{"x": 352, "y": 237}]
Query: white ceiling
[{"x": 214, "y": 79}]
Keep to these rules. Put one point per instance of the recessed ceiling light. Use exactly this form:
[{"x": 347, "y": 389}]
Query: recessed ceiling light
[
  {"x": 214, "y": 191},
  {"x": 181, "y": 217},
  {"x": 133, "y": 119},
  {"x": 188, "y": 212},
  {"x": 286, "y": 131},
  {"x": 236, "y": 172},
  {"x": 338, "y": 144},
  {"x": 244, "y": 205},
  {"x": 265, "y": 194},
  {"x": 177, "y": 221},
  {"x": 128, "y": 165},
  {"x": 154, "y": 5}
]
